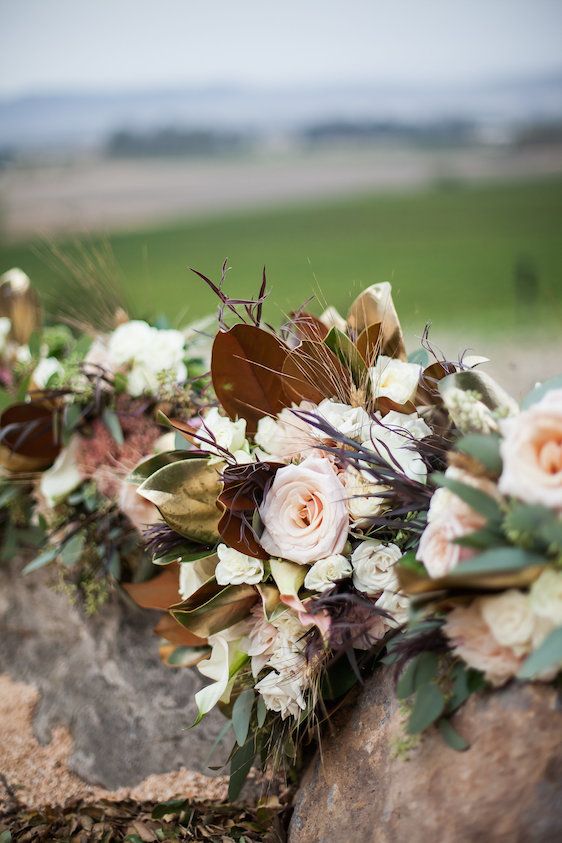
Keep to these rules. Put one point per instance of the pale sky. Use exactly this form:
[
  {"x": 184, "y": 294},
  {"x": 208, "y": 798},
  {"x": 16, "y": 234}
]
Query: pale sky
[{"x": 65, "y": 45}]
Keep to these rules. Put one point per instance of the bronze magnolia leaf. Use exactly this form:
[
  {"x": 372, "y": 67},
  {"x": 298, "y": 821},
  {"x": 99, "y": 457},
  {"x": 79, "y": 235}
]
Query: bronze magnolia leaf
[
  {"x": 312, "y": 372},
  {"x": 369, "y": 343},
  {"x": 308, "y": 327},
  {"x": 28, "y": 437},
  {"x": 413, "y": 583},
  {"x": 225, "y": 608},
  {"x": 247, "y": 371},
  {"x": 160, "y": 592},
  {"x": 170, "y": 629},
  {"x": 375, "y": 305},
  {"x": 185, "y": 494}
]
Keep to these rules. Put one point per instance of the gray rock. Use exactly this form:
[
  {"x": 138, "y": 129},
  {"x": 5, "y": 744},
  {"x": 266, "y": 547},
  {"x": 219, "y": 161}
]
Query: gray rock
[
  {"x": 103, "y": 679},
  {"x": 506, "y": 787}
]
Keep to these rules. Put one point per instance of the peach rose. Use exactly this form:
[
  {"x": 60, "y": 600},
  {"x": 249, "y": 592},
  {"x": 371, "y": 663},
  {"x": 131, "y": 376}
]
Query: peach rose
[
  {"x": 448, "y": 519},
  {"x": 304, "y": 513},
  {"x": 532, "y": 453},
  {"x": 474, "y": 643}
]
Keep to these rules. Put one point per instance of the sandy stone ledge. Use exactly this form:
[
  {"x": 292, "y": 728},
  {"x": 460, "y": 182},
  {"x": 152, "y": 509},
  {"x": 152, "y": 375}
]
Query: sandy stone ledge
[{"x": 39, "y": 775}]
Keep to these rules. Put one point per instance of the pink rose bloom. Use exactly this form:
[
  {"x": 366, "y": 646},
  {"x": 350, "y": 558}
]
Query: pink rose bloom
[
  {"x": 474, "y": 642},
  {"x": 531, "y": 450},
  {"x": 140, "y": 512},
  {"x": 305, "y": 513},
  {"x": 448, "y": 519}
]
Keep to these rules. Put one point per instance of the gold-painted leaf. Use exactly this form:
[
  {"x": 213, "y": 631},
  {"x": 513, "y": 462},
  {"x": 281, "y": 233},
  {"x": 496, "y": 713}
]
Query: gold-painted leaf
[
  {"x": 185, "y": 494},
  {"x": 231, "y": 604},
  {"x": 374, "y": 305}
]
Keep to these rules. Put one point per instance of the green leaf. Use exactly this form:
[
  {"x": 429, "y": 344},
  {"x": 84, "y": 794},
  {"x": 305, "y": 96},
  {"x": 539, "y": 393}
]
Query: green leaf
[
  {"x": 429, "y": 705},
  {"x": 481, "y": 539},
  {"x": 451, "y": 736},
  {"x": 72, "y": 550},
  {"x": 498, "y": 560},
  {"x": 548, "y": 655},
  {"x": 346, "y": 351},
  {"x": 41, "y": 560},
  {"x": 528, "y": 518},
  {"x": 420, "y": 357},
  {"x": 185, "y": 656},
  {"x": 405, "y": 686},
  {"x": 5, "y": 401},
  {"x": 6, "y": 836},
  {"x": 551, "y": 533},
  {"x": 410, "y": 563},
  {"x": 146, "y": 468},
  {"x": 111, "y": 421},
  {"x": 241, "y": 714},
  {"x": 485, "y": 449},
  {"x": 181, "y": 553},
  {"x": 426, "y": 669},
  {"x": 540, "y": 391},
  {"x": 172, "y": 806},
  {"x": 261, "y": 711},
  {"x": 82, "y": 346},
  {"x": 240, "y": 766},
  {"x": 180, "y": 442},
  {"x": 466, "y": 681},
  {"x": 475, "y": 498}
]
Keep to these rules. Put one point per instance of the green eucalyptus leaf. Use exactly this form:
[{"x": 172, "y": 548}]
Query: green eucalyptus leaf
[
  {"x": 241, "y": 715},
  {"x": 540, "y": 391},
  {"x": 72, "y": 550},
  {"x": 484, "y": 448},
  {"x": 475, "y": 498},
  {"x": 547, "y": 656},
  {"x": 420, "y": 357},
  {"x": 172, "y": 806},
  {"x": 43, "y": 559},
  {"x": 240, "y": 766},
  {"x": 111, "y": 421},
  {"x": 406, "y": 684},
  {"x": 429, "y": 704},
  {"x": 498, "y": 560},
  {"x": 451, "y": 736},
  {"x": 261, "y": 711}
]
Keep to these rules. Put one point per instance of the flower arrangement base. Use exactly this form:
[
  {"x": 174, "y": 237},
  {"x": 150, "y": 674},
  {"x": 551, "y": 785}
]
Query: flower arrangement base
[
  {"x": 101, "y": 676},
  {"x": 371, "y": 787}
]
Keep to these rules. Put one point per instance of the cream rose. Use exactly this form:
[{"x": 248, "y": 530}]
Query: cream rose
[
  {"x": 326, "y": 572},
  {"x": 282, "y": 694},
  {"x": 373, "y": 566},
  {"x": 545, "y": 597},
  {"x": 228, "y": 435},
  {"x": 510, "y": 619},
  {"x": 235, "y": 568},
  {"x": 365, "y": 499},
  {"x": 304, "y": 513},
  {"x": 287, "y": 437},
  {"x": 531, "y": 450},
  {"x": 397, "y": 604},
  {"x": 392, "y": 438},
  {"x": 395, "y": 379}
]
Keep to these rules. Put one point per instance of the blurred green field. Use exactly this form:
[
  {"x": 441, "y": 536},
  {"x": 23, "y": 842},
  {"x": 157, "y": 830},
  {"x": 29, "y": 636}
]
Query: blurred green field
[{"x": 456, "y": 255}]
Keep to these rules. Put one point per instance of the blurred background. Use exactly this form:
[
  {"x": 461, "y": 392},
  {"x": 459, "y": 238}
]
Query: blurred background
[{"x": 338, "y": 142}]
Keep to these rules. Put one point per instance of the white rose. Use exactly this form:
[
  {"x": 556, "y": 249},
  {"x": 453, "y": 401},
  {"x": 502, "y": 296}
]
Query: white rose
[
  {"x": 129, "y": 341},
  {"x": 235, "y": 568},
  {"x": 166, "y": 351},
  {"x": 395, "y": 379},
  {"x": 5, "y": 328},
  {"x": 45, "y": 370},
  {"x": 23, "y": 354},
  {"x": 510, "y": 619},
  {"x": 545, "y": 596},
  {"x": 531, "y": 450},
  {"x": 142, "y": 380},
  {"x": 365, "y": 499},
  {"x": 193, "y": 575},
  {"x": 282, "y": 694},
  {"x": 396, "y": 604},
  {"x": 287, "y": 437},
  {"x": 17, "y": 279},
  {"x": 373, "y": 566},
  {"x": 326, "y": 572},
  {"x": 63, "y": 477},
  {"x": 225, "y": 433},
  {"x": 352, "y": 422},
  {"x": 392, "y": 438}
]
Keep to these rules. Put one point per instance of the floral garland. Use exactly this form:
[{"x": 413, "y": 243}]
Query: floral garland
[
  {"x": 78, "y": 412},
  {"x": 313, "y": 525}
]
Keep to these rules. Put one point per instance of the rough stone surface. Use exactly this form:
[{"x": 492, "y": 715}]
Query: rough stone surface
[
  {"x": 102, "y": 678},
  {"x": 506, "y": 787}
]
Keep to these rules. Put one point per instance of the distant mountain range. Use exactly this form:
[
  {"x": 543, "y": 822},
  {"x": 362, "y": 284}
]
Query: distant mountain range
[{"x": 85, "y": 120}]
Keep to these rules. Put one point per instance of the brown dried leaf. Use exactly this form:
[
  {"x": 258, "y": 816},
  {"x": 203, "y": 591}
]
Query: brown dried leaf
[
  {"x": 374, "y": 305},
  {"x": 312, "y": 372}
]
